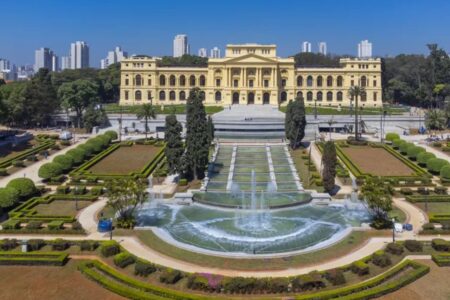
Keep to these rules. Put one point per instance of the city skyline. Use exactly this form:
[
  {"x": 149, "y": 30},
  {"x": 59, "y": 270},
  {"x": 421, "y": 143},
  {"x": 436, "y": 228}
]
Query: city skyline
[{"x": 102, "y": 31}]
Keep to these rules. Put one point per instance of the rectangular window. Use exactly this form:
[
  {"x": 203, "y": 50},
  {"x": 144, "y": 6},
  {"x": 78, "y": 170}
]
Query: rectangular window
[
  {"x": 374, "y": 83},
  {"x": 149, "y": 95},
  {"x": 283, "y": 82},
  {"x": 266, "y": 83},
  {"x": 127, "y": 81},
  {"x": 352, "y": 82},
  {"x": 126, "y": 95},
  {"x": 217, "y": 82},
  {"x": 149, "y": 82},
  {"x": 375, "y": 96},
  {"x": 235, "y": 83},
  {"x": 250, "y": 83}
]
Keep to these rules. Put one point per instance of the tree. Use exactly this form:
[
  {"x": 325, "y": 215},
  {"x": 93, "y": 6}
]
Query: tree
[
  {"x": 210, "y": 127},
  {"x": 378, "y": 197},
  {"x": 8, "y": 197},
  {"x": 436, "y": 119},
  {"x": 24, "y": 186},
  {"x": 77, "y": 96},
  {"x": 295, "y": 122},
  {"x": 329, "y": 162},
  {"x": 49, "y": 170},
  {"x": 77, "y": 155},
  {"x": 110, "y": 78},
  {"x": 197, "y": 142},
  {"x": 174, "y": 144},
  {"x": 94, "y": 116},
  {"x": 146, "y": 111},
  {"x": 354, "y": 92},
  {"x": 66, "y": 161},
  {"x": 124, "y": 195}
]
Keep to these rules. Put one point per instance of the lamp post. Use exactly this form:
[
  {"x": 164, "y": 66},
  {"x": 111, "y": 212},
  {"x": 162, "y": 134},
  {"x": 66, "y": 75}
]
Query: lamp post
[
  {"x": 120, "y": 125},
  {"x": 315, "y": 109},
  {"x": 393, "y": 230}
]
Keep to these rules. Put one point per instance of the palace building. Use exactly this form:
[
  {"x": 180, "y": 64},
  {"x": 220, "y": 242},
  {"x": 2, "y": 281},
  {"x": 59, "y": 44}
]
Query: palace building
[{"x": 250, "y": 74}]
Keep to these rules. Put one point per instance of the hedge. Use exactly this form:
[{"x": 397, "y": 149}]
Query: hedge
[
  {"x": 49, "y": 170},
  {"x": 428, "y": 198},
  {"x": 65, "y": 161},
  {"x": 441, "y": 259},
  {"x": 33, "y": 258},
  {"x": 397, "y": 143},
  {"x": 413, "y": 151},
  {"x": 423, "y": 157},
  {"x": 25, "y": 187},
  {"x": 440, "y": 245},
  {"x": 435, "y": 165},
  {"x": 78, "y": 155},
  {"x": 8, "y": 197},
  {"x": 445, "y": 172},
  {"x": 109, "y": 248},
  {"x": 112, "y": 134},
  {"x": 24, "y": 154},
  {"x": 123, "y": 259},
  {"x": 404, "y": 147}
]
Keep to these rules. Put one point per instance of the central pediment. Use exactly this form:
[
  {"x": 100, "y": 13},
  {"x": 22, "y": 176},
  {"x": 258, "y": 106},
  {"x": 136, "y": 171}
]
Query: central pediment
[{"x": 250, "y": 59}]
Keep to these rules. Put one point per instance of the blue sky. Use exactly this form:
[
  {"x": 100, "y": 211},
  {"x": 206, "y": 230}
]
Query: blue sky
[{"x": 148, "y": 27}]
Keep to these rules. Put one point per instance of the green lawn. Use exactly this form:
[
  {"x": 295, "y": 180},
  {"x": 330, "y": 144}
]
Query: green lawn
[
  {"x": 302, "y": 170},
  {"x": 160, "y": 109},
  {"x": 347, "y": 111},
  {"x": 345, "y": 246},
  {"x": 435, "y": 207},
  {"x": 61, "y": 208},
  {"x": 398, "y": 214}
]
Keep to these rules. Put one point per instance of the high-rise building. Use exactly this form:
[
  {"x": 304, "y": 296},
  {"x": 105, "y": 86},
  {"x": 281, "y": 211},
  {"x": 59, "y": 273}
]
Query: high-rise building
[
  {"x": 55, "y": 63},
  {"x": 113, "y": 57},
  {"x": 25, "y": 72},
  {"x": 365, "y": 49},
  {"x": 43, "y": 58},
  {"x": 65, "y": 62},
  {"x": 202, "y": 52},
  {"x": 306, "y": 46},
  {"x": 180, "y": 45},
  {"x": 215, "y": 52},
  {"x": 323, "y": 48},
  {"x": 8, "y": 71},
  {"x": 79, "y": 55},
  {"x": 4, "y": 64}
]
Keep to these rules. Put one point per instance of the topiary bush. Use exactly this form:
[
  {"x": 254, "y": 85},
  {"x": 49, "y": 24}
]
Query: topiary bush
[
  {"x": 335, "y": 276},
  {"x": 440, "y": 245},
  {"x": 88, "y": 245},
  {"x": 87, "y": 150},
  {"x": 35, "y": 244},
  {"x": 170, "y": 276},
  {"x": 123, "y": 259},
  {"x": 413, "y": 151},
  {"x": 95, "y": 144},
  {"x": 434, "y": 165},
  {"x": 391, "y": 136},
  {"x": 423, "y": 157},
  {"x": 445, "y": 172},
  {"x": 109, "y": 248},
  {"x": 112, "y": 134},
  {"x": 65, "y": 161},
  {"x": 77, "y": 155},
  {"x": 404, "y": 147},
  {"x": 49, "y": 170},
  {"x": 59, "y": 245},
  {"x": 413, "y": 246},
  {"x": 360, "y": 267},
  {"x": 3, "y": 172},
  {"x": 381, "y": 259},
  {"x": 143, "y": 268},
  {"x": 25, "y": 187},
  {"x": 397, "y": 143},
  {"x": 394, "y": 248},
  {"x": 8, "y": 197}
]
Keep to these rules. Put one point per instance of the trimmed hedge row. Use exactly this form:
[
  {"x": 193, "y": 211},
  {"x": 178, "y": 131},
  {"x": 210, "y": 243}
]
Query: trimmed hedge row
[
  {"x": 441, "y": 259},
  {"x": 47, "y": 144},
  {"x": 33, "y": 258},
  {"x": 427, "y": 198},
  {"x": 83, "y": 170}
]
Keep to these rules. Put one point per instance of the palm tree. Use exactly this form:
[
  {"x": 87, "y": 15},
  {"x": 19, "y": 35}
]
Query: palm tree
[
  {"x": 146, "y": 111},
  {"x": 354, "y": 92}
]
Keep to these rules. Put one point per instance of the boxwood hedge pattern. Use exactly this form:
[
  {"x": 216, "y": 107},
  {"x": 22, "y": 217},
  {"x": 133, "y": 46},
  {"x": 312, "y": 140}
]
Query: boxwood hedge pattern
[
  {"x": 33, "y": 258},
  {"x": 43, "y": 145},
  {"x": 84, "y": 173}
]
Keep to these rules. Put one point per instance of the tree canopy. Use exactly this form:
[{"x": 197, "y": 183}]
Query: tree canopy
[
  {"x": 295, "y": 122},
  {"x": 174, "y": 144}
]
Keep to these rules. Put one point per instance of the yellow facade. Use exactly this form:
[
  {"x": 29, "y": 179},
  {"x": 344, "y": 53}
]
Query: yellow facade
[{"x": 250, "y": 74}]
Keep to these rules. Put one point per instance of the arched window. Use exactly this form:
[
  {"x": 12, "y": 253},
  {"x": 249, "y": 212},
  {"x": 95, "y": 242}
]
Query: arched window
[
  {"x": 266, "y": 98},
  {"x": 339, "y": 96},
  {"x": 309, "y": 81},
  {"x": 251, "y": 98},
  {"x": 330, "y": 96},
  {"x": 149, "y": 95},
  {"x": 172, "y": 80},
  {"x": 363, "y": 81},
  {"x": 319, "y": 96},
  {"x": 192, "y": 80},
  {"x": 309, "y": 96},
  {"x": 218, "y": 96},
  {"x": 300, "y": 95},
  {"x": 162, "y": 95},
  {"x": 363, "y": 96},
  {"x": 283, "y": 97},
  {"x": 162, "y": 80},
  {"x": 339, "y": 81},
  {"x": 138, "y": 80},
  {"x": 329, "y": 81},
  {"x": 138, "y": 96},
  {"x": 299, "y": 81},
  {"x": 182, "y": 80},
  {"x": 202, "y": 80},
  {"x": 182, "y": 95},
  {"x": 319, "y": 81},
  {"x": 172, "y": 95}
]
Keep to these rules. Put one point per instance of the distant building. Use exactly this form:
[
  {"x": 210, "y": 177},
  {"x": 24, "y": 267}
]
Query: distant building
[
  {"x": 55, "y": 63},
  {"x": 202, "y": 52},
  {"x": 215, "y": 52},
  {"x": 4, "y": 64},
  {"x": 8, "y": 71},
  {"x": 113, "y": 57},
  {"x": 365, "y": 49},
  {"x": 306, "y": 47},
  {"x": 79, "y": 55},
  {"x": 43, "y": 58},
  {"x": 323, "y": 48},
  {"x": 180, "y": 45},
  {"x": 65, "y": 62},
  {"x": 25, "y": 72}
]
